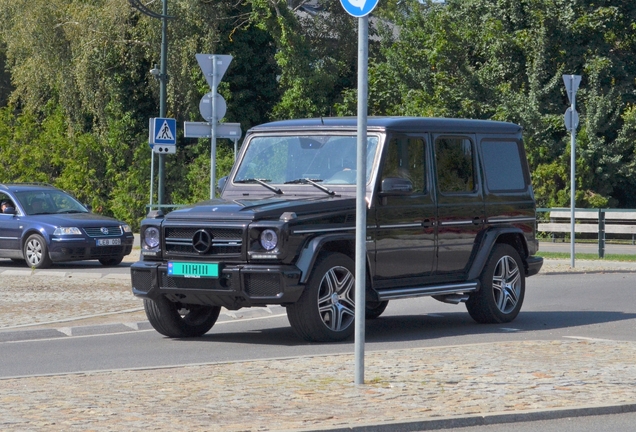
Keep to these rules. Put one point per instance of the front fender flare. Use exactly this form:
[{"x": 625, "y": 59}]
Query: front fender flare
[{"x": 310, "y": 252}]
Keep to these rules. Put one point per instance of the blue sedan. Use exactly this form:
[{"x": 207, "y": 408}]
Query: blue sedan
[{"x": 40, "y": 225}]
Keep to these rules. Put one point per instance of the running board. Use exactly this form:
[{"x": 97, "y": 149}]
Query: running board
[{"x": 433, "y": 290}]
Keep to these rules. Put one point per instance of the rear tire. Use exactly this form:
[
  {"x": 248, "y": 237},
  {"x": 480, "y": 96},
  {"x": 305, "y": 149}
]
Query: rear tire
[
  {"x": 325, "y": 311},
  {"x": 502, "y": 290},
  {"x": 375, "y": 309},
  {"x": 180, "y": 321}
]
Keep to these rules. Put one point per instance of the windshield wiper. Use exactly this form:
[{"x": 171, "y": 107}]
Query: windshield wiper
[
  {"x": 261, "y": 181},
  {"x": 312, "y": 182},
  {"x": 71, "y": 211}
]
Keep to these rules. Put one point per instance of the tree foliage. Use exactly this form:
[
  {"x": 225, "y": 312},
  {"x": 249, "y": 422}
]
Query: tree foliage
[{"x": 76, "y": 95}]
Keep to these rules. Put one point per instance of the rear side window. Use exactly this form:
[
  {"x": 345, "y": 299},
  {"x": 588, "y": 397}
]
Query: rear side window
[
  {"x": 455, "y": 165},
  {"x": 502, "y": 165}
]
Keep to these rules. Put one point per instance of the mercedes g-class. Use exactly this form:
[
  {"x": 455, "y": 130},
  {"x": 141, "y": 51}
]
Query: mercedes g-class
[{"x": 450, "y": 214}]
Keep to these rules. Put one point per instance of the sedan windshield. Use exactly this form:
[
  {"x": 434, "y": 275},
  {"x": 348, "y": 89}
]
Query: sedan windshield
[
  {"x": 49, "y": 202},
  {"x": 308, "y": 159}
]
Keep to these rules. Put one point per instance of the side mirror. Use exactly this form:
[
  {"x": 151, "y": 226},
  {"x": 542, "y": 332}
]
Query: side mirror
[
  {"x": 396, "y": 186},
  {"x": 221, "y": 184},
  {"x": 9, "y": 210},
  {"x": 89, "y": 207}
]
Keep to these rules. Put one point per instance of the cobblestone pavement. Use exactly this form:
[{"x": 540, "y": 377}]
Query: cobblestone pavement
[{"x": 404, "y": 389}]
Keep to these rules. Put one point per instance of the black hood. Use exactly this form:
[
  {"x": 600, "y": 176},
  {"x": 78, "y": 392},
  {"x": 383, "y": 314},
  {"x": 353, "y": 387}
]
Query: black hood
[{"x": 265, "y": 208}]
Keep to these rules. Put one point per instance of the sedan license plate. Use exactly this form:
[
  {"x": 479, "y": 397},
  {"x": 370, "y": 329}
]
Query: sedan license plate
[
  {"x": 193, "y": 270},
  {"x": 109, "y": 242}
]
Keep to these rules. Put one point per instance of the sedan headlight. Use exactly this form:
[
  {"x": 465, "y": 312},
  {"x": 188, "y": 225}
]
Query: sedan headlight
[
  {"x": 126, "y": 228},
  {"x": 67, "y": 231},
  {"x": 269, "y": 239},
  {"x": 151, "y": 238}
]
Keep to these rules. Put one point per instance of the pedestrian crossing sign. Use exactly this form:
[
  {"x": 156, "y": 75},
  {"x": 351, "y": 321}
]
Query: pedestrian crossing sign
[{"x": 163, "y": 131}]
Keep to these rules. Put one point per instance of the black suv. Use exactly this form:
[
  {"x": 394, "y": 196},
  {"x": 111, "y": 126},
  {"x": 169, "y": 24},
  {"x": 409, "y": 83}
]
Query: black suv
[{"x": 451, "y": 214}]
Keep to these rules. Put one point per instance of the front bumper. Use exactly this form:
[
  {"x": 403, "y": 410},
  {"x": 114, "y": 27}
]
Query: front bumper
[
  {"x": 237, "y": 286},
  {"x": 85, "y": 248}
]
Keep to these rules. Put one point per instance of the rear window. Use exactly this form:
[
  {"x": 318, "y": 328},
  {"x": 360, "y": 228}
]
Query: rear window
[{"x": 502, "y": 165}]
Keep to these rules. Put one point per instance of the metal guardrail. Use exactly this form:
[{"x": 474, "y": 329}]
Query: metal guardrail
[{"x": 601, "y": 218}]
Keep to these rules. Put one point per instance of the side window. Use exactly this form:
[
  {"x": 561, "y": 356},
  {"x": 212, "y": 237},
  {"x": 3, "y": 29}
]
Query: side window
[
  {"x": 5, "y": 199},
  {"x": 502, "y": 165},
  {"x": 406, "y": 159},
  {"x": 455, "y": 165}
]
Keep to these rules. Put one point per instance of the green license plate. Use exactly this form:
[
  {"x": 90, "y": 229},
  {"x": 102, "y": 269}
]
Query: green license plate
[{"x": 193, "y": 270}]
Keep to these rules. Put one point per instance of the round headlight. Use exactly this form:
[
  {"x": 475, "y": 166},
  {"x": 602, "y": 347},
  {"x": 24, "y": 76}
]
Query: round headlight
[
  {"x": 151, "y": 238},
  {"x": 269, "y": 239}
]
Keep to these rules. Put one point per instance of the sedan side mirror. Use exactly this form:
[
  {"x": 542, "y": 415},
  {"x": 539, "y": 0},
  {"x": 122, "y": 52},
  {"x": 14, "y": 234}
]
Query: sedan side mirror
[{"x": 9, "y": 210}]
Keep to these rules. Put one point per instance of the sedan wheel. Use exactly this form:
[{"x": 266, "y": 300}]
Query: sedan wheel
[
  {"x": 111, "y": 261},
  {"x": 36, "y": 253}
]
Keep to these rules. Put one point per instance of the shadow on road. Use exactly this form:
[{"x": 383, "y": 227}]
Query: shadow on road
[{"x": 412, "y": 328}]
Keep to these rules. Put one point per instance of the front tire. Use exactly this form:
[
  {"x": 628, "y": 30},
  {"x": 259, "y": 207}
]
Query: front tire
[
  {"x": 503, "y": 287},
  {"x": 36, "y": 252},
  {"x": 180, "y": 321},
  {"x": 325, "y": 311}
]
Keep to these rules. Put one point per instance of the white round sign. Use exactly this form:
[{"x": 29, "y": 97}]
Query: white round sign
[{"x": 205, "y": 107}]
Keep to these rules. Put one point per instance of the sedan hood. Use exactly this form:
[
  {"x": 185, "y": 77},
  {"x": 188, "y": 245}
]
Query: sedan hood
[{"x": 75, "y": 219}]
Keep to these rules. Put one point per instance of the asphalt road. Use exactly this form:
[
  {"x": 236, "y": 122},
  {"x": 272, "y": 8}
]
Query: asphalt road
[{"x": 571, "y": 306}]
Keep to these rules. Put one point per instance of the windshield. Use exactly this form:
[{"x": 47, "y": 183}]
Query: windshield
[
  {"x": 48, "y": 202},
  {"x": 289, "y": 159}
]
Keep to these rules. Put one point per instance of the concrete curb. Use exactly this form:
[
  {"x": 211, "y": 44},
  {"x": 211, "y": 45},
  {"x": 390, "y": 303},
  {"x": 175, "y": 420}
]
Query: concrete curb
[{"x": 480, "y": 420}]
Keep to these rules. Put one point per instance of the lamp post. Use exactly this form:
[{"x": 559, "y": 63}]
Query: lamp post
[{"x": 162, "y": 76}]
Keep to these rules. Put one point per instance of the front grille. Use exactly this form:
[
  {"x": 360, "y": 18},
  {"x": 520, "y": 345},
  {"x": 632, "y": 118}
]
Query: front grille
[
  {"x": 262, "y": 285},
  {"x": 225, "y": 241},
  {"x": 111, "y": 231}
]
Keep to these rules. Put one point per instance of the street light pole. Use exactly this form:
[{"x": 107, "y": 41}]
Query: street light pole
[
  {"x": 162, "y": 96},
  {"x": 163, "y": 79}
]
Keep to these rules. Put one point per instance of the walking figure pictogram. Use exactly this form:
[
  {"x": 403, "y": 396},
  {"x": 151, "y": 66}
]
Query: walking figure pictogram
[{"x": 164, "y": 134}]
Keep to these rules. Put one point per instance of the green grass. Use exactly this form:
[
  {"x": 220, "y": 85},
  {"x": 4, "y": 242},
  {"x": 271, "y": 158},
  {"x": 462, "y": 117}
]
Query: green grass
[{"x": 588, "y": 256}]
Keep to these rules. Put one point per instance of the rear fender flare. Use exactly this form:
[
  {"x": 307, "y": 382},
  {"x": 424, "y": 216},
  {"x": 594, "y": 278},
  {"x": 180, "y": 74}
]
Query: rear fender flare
[{"x": 488, "y": 241}]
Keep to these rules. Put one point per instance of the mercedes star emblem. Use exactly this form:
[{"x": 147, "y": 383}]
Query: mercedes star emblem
[{"x": 202, "y": 241}]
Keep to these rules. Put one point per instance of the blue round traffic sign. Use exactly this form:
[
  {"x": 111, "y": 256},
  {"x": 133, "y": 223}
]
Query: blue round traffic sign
[{"x": 359, "y": 8}]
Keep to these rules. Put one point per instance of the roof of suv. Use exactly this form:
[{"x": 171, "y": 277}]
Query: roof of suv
[{"x": 405, "y": 124}]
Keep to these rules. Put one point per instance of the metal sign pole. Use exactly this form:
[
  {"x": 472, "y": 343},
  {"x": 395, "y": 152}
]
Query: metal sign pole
[
  {"x": 361, "y": 204},
  {"x": 215, "y": 83},
  {"x": 573, "y": 181},
  {"x": 152, "y": 175},
  {"x": 571, "y": 123}
]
